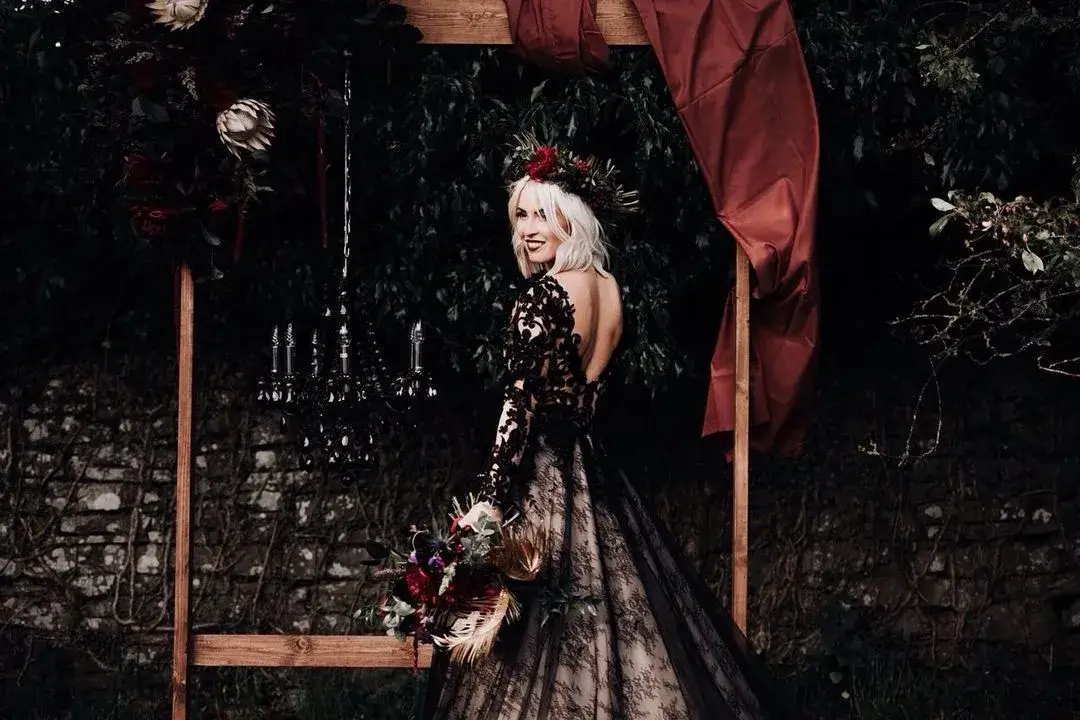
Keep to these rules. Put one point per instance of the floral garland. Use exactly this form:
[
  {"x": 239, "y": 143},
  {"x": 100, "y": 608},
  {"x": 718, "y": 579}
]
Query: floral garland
[{"x": 587, "y": 177}]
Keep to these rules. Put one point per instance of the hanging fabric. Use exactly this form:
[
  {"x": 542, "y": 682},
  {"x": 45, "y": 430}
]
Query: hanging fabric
[
  {"x": 739, "y": 81},
  {"x": 560, "y": 35}
]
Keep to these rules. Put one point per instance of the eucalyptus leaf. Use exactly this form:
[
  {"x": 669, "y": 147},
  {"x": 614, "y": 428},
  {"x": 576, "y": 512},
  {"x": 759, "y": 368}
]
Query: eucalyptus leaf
[
  {"x": 1032, "y": 262},
  {"x": 939, "y": 225}
]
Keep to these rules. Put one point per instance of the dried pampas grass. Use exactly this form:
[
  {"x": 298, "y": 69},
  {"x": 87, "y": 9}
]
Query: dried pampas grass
[{"x": 471, "y": 636}]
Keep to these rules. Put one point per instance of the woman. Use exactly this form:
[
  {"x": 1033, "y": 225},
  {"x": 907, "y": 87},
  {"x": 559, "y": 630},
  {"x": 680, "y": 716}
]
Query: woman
[{"x": 646, "y": 639}]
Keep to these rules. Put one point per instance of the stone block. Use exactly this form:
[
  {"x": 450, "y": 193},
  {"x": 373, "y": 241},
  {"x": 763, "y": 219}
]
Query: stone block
[
  {"x": 335, "y": 596},
  {"x": 1070, "y": 617},
  {"x": 1031, "y": 623},
  {"x": 913, "y": 624},
  {"x": 1045, "y": 587},
  {"x": 329, "y": 511},
  {"x": 1067, "y": 650},
  {"x": 40, "y": 462},
  {"x": 959, "y": 594},
  {"x": 103, "y": 497},
  {"x": 218, "y": 465},
  {"x": 1009, "y": 557},
  {"x": 76, "y": 526}
]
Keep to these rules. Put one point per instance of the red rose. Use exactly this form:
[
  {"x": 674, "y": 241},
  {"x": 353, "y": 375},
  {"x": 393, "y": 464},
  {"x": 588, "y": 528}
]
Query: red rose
[
  {"x": 423, "y": 586},
  {"x": 542, "y": 162},
  {"x": 581, "y": 165},
  {"x": 218, "y": 206},
  {"x": 454, "y": 523},
  {"x": 150, "y": 220}
]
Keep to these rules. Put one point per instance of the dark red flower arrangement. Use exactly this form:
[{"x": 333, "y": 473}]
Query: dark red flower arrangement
[{"x": 451, "y": 590}]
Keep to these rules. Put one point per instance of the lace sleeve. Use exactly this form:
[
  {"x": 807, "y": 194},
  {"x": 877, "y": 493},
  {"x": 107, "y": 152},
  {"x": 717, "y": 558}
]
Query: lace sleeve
[{"x": 529, "y": 357}]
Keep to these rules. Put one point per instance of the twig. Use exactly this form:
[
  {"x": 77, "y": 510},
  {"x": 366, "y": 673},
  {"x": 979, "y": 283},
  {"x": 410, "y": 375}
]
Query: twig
[
  {"x": 1055, "y": 367},
  {"x": 1000, "y": 15}
]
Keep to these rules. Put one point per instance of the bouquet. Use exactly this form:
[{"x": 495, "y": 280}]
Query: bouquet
[{"x": 452, "y": 590}]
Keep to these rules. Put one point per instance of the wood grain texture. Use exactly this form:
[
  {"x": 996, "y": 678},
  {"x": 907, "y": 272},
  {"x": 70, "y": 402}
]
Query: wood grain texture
[
  {"x": 346, "y": 651},
  {"x": 741, "y": 465},
  {"x": 182, "y": 570},
  {"x": 485, "y": 22}
]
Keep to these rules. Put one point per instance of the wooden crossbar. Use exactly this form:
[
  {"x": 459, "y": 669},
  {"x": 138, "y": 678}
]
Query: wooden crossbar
[
  {"x": 325, "y": 651},
  {"x": 485, "y": 22},
  {"x": 442, "y": 22}
]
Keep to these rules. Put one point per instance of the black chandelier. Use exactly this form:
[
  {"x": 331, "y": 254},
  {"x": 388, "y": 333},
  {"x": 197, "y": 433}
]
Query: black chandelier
[{"x": 339, "y": 406}]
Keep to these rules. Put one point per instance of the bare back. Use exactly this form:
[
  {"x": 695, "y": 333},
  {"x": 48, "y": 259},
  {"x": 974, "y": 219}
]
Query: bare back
[{"x": 597, "y": 317}]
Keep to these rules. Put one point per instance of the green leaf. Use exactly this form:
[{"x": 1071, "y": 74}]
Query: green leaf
[
  {"x": 1032, "y": 262},
  {"x": 141, "y": 107},
  {"x": 939, "y": 225},
  {"x": 942, "y": 205},
  {"x": 210, "y": 238},
  {"x": 376, "y": 550}
]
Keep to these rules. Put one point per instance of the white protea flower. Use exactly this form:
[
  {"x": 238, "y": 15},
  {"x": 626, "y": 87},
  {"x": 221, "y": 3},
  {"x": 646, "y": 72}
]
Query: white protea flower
[
  {"x": 246, "y": 125},
  {"x": 178, "y": 14}
]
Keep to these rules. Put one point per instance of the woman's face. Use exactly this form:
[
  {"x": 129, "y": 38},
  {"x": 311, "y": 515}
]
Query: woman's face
[{"x": 531, "y": 225}]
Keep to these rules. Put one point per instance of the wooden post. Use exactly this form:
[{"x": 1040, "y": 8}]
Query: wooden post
[
  {"x": 182, "y": 570},
  {"x": 740, "y": 491}
]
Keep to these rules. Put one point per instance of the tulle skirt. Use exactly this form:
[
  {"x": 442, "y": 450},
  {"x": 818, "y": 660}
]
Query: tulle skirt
[{"x": 657, "y": 646}]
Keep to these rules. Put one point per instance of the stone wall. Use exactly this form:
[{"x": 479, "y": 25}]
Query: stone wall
[
  {"x": 969, "y": 551},
  {"x": 958, "y": 544}
]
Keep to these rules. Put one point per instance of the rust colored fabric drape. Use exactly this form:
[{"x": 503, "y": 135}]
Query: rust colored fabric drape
[
  {"x": 739, "y": 80},
  {"x": 560, "y": 35}
]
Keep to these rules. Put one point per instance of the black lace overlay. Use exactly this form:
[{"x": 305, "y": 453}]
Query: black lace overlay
[
  {"x": 659, "y": 645},
  {"x": 543, "y": 372}
]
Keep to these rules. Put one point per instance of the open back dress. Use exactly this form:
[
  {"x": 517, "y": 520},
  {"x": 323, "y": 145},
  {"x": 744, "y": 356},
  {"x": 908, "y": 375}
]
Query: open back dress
[{"x": 659, "y": 645}]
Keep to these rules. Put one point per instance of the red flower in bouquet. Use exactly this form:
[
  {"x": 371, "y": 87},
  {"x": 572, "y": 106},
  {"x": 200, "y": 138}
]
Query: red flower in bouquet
[
  {"x": 423, "y": 585},
  {"x": 543, "y": 162},
  {"x": 469, "y": 585}
]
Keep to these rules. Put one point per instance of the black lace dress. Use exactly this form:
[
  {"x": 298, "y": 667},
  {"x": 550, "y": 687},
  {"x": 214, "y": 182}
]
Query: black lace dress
[{"x": 659, "y": 645}]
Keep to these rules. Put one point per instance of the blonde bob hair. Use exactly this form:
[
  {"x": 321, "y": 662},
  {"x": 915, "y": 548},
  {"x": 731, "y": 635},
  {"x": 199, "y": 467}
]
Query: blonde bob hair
[{"x": 582, "y": 245}]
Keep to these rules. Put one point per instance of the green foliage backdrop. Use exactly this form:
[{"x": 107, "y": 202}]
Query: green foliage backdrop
[{"x": 916, "y": 98}]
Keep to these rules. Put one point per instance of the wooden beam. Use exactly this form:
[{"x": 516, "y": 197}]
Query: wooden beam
[
  {"x": 485, "y": 22},
  {"x": 741, "y": 462},
  {"x": 182, "y": 569},
  {"x": 324, "y": 651}
]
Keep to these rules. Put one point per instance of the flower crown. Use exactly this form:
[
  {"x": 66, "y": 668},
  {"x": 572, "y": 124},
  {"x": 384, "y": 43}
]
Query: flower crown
[{"x": 588, "y": 178}]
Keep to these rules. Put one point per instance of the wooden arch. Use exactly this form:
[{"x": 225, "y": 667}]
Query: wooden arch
[{"x": 442, "y": 22}]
